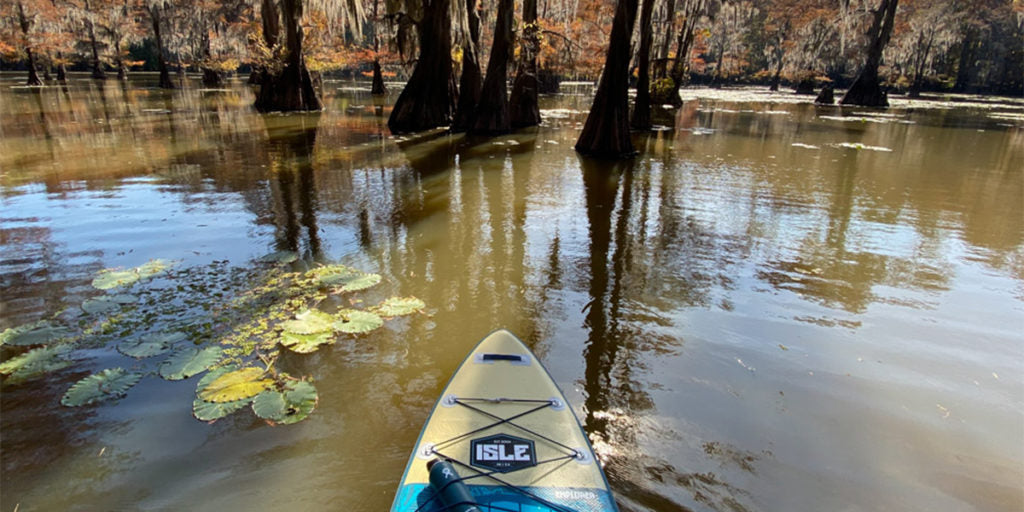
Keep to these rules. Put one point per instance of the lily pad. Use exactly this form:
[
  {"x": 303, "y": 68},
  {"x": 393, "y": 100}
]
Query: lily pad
[
  {"x": 292, "y": 405},
  {"x": 353, "y": 321},
  {"x": 280, "y": 257},
  {"x": 105, "y": 385},
  {"x": 236, "y": 385},
  {"x": 399, "y": 306},
  {"x": 111, "y": 278},
  {"x": 361, "y": 282},
  {"x": 152, "y": 268},
  {"x": 188, "y": 362},
  {"x": 100, "y": 305},
  {"x": 37, "y": 333},
  {"x": 108, "y": 279},
  {"x": 124, "y": 298},
  {"x": 269, "y": 404},
  {"x": 35, "y": 362},
  {"x": 311, "y": 321},
  {"x": 305, "y": 343},
  {"x": 212, "y": 411},
  {"x": 150, "y": 344},
  {"x": 334, "y": 275}
]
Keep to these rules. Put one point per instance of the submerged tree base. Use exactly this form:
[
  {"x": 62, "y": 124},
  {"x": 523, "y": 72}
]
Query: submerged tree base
[
  {"x": 291, "y": 90},
  {"x": 866, "y": 93}
]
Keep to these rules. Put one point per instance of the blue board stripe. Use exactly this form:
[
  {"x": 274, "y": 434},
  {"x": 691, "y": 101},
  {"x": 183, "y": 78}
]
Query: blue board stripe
[{"x": 495, "y": 498}]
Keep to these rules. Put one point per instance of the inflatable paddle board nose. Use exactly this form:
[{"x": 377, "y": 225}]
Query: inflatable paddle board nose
[{"x": 508, "y": 439}]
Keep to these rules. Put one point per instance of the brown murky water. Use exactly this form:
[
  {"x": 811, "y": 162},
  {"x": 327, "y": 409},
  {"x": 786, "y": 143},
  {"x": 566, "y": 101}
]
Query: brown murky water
[{"x": 774, "y": 307}]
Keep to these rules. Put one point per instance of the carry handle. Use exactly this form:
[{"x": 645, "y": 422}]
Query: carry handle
[{"x": 516, "y": 359}]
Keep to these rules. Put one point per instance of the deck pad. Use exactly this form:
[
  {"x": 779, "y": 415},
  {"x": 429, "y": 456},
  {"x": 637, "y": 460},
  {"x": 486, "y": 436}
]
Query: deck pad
[{"x": 506, "y": 428}]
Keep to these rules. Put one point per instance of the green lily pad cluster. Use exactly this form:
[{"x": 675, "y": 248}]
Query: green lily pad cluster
[
  {"x": 106, "y": 385},
  {"x": 36, "y": 362},
  {"x": 227, "y": 325},
  {"x": 113, "y": 278},
  {"x": 343, "y": 278}
]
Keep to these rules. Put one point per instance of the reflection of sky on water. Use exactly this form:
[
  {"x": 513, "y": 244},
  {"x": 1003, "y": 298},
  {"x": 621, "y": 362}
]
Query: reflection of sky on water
[{"x": 740, "y": 323}]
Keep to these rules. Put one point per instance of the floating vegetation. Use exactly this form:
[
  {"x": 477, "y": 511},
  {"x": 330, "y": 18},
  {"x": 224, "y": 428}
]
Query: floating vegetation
[
  {"x": 237, "y": 385},
  {"x": 189, "y": 361},
  {"x": 353, "y": 321},
  {"x": 867, "y": 118},
  {"x": 400, "y": 306},
  {"x": 35, "y": 362},
  {"x": 213, "y": 411},
  {"x": 37, "y": 333},
  {"x": 113, "y": 278},
  {"x": 361, "y": 283},
  {"x": 150, "y": 345},
  {"x": 305, "y": 343},
  {"x": 227, "y": 324},
  {"x": 290, "y": 405},
  {"x": 858, "y": 145},
  {"x": 106, "y": 385},
  {"x": 346, "y": 279},
  {"x": 310, "y": 321},
  {"x": 281, "y": 257},
  {"x": 100, "y": 305}
]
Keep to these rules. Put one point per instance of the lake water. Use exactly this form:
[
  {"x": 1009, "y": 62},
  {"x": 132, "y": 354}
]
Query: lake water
[{"x": 773, "y": 307}]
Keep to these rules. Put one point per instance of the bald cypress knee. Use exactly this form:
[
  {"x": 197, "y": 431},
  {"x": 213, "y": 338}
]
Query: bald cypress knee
[
  {"x": 606, "y": 132},
  {"x": 492, "y": 116},
  {"x": 428, "y": 99}
]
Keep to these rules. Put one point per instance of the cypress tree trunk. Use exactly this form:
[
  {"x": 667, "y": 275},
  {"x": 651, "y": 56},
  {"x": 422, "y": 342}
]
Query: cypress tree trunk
[
  {"x": 919, "y": 63},
  {"x": 661, "y": 67},
  {"x": 492, "y": 115},
  {"x": 641, "y": 119},
  {"x": 471, "y": 79},
  {"x": 780, "y": 52},
  {"x": 777, "y": 77},
  {"x": 122, "y": 70},
  {"x": 97, "y": 66},
  {"x": 292, "y": 89},
  {"x": 606, "y": 132},
  {"x": 427, "y": 101},
  {"x": 62, "y": 70},
  {"x": 966, "y": 64},
  {"x": 523, "y": 107},
  {"x": 866, "y": 91},
  {"x": 378, "y": 88},
  {"x": 211, "y": 77},
  {"x": 682, "y": 63},
  {"x": 161, "y": 64},
  {"x": 33, "y": 76}
]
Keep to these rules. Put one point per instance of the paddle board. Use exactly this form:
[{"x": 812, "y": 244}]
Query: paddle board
[{"x": 502, "y": 438}]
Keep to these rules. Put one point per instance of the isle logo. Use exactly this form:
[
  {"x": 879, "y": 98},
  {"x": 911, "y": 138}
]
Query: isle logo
[{"x": 502, "y": 453}]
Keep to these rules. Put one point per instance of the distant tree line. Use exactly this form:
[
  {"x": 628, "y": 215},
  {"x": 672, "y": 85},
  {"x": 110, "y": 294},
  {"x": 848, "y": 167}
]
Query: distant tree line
[{"x": 460, "y": 56}]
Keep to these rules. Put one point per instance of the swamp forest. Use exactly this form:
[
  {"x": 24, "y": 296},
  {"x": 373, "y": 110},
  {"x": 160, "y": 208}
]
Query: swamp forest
[{"x": 772, "y": 251}]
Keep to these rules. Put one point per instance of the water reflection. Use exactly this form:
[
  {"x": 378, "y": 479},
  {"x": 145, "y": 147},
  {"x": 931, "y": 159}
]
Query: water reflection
[
  {"x": 745, "y": 308},
  {"x": 290, "y": 153}
]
